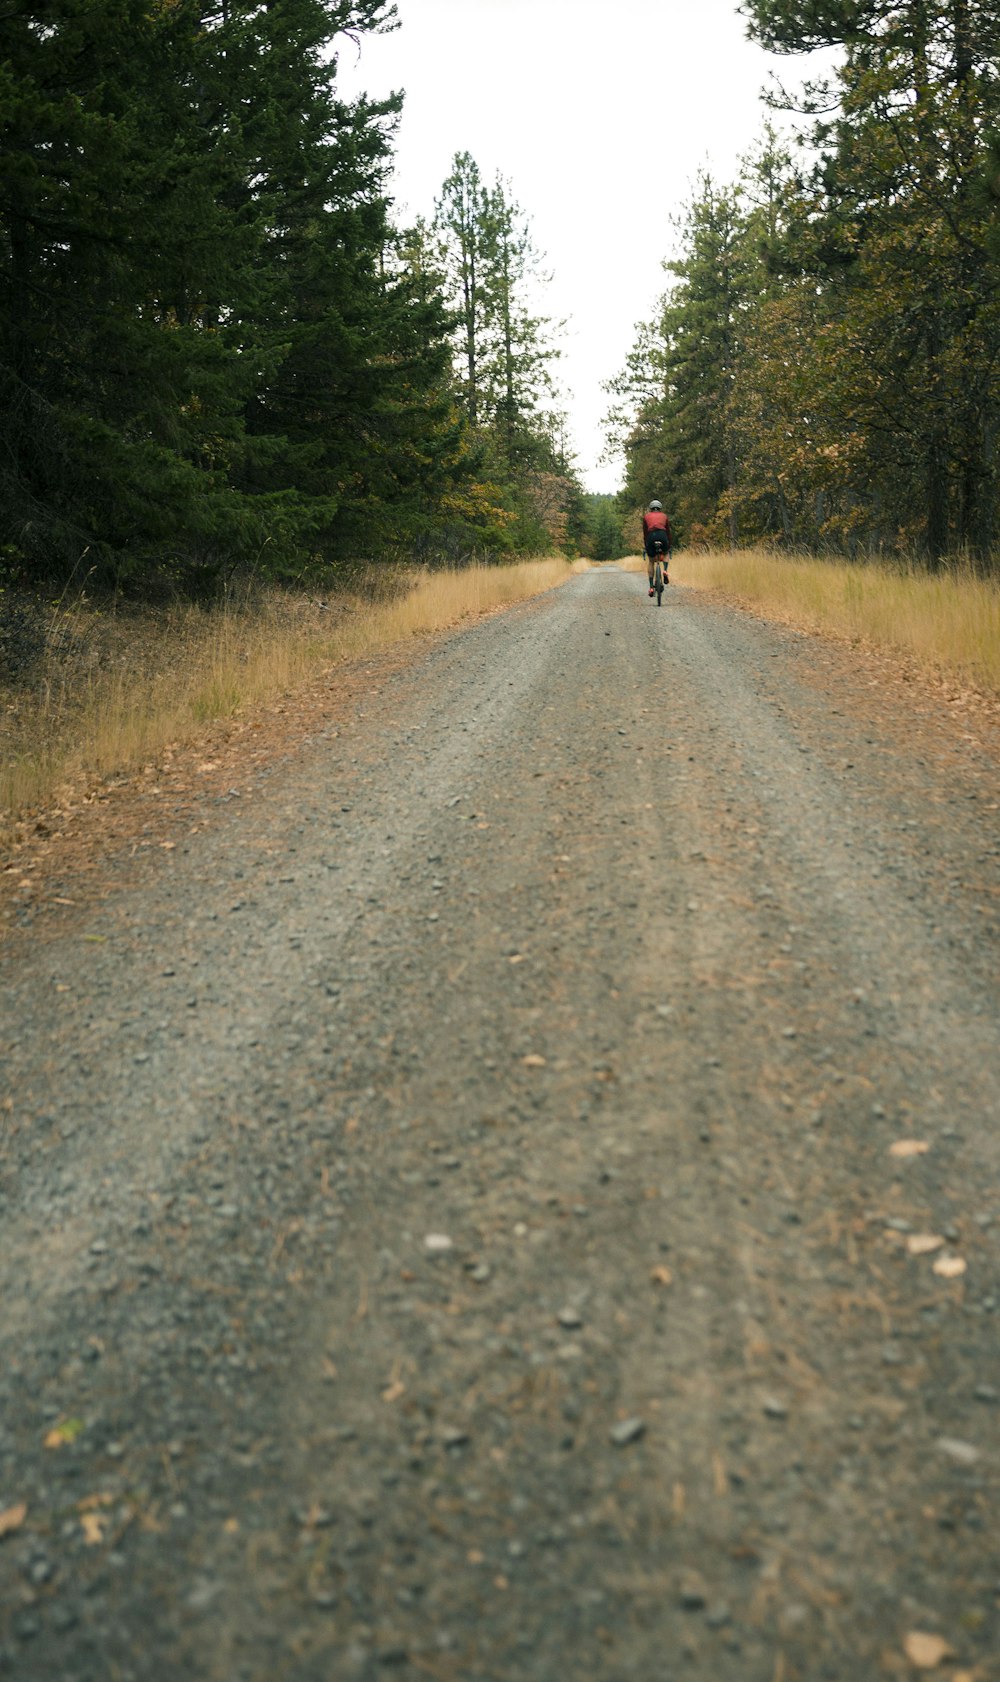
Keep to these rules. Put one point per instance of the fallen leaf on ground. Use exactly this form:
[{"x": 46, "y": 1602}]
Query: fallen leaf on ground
[
  {"x": 923, "y": 1243},
  {"x": 231, "y": 1526},
  {"x": 12, "y": 1518},
  {"x": 925, "y": 1651},
  {"x": 518, "y": 958},
  {"x": 909, "y": 1147},
  {"x": 393, "y": 1391},
  {"x": 89, "y": 1502},
  {"x": 92, "y": 1525},
  {"x": 66, "y": 1432},
  {"x": 533, "y": 1061},
  {"x": 950, "y": 1267},
  {"x": 661, "y": 1276}
]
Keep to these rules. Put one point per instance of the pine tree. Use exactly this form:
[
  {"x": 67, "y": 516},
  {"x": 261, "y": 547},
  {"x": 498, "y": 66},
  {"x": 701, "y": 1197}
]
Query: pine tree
[
  {"x": 458, "y": 220},
  {"x": 99, "y": 355},
  {"x": 519, "y": 347},
  {"x": 674, "y": 413},
  {"x": 503, "y": 352},
  {"x": 896, "y": 232}
]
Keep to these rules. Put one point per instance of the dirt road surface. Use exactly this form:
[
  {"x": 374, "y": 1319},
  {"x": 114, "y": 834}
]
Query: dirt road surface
[{"x": 515, "y": 1196}]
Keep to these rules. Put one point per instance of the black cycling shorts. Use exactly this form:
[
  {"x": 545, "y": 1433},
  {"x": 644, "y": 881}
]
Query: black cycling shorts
[{"x": 657, "y": 543}]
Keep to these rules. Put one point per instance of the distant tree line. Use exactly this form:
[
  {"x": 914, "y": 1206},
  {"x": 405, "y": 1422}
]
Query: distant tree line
[
  {"x": 605, "y": 539},
  {"x": 824, "y": 369},
  {"x": 217, "y": 351}
]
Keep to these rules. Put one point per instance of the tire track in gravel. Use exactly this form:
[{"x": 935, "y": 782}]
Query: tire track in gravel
[{"x": 617, "y": 955}]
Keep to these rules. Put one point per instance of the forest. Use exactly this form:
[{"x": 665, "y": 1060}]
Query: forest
[
  {"x": 821, "y": 372},
  {"x": 219, "y": 354}
]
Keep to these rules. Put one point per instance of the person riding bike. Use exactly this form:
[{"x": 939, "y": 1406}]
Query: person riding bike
[{"x": 656, "y": 540}]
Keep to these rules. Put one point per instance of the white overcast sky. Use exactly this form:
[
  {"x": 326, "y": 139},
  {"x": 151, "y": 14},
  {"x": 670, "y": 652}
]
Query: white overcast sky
[{"x": 600, "y": 115}]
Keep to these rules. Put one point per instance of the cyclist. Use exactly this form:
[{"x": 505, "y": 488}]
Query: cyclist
[{"x": 656, "y": 539}]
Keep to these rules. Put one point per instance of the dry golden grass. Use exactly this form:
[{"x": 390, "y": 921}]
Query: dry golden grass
[
  {"x": 948, "y": 622},
  {"x": 116, "y": 689}
]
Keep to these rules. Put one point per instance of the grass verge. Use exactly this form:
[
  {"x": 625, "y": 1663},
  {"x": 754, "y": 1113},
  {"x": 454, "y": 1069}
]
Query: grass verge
[
  {"x": 112, "y": 690},
  {"x": 946, "y": 622}
]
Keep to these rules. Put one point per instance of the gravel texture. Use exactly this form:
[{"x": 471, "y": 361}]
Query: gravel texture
[{"x": 450, "y": 1220}]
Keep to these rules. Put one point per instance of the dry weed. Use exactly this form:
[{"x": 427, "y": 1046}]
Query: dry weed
[
  {"x": 113, "y": 689},
  {"x": 947, "y": 622}
]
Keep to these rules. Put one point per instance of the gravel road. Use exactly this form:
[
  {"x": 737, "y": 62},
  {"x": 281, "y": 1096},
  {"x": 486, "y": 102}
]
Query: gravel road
[{"x": 515, "y": 1196}]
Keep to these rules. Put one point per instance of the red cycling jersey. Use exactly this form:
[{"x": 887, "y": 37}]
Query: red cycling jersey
[{"x": 655, "y": 521}]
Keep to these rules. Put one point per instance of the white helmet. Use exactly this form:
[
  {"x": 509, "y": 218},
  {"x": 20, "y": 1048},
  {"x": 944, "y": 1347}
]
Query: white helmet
[{"x": 656, "y": 508}]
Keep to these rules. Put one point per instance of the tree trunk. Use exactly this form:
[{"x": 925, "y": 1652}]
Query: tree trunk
[
  {"x": 471, "y": 301},
  {"x": 508, "y": 353},
  {"x": 981, "y": 493},
  {"x": 937, "y": 499},
  {"x": 786, "y": 524},
  {"x": 962, "y": 59},
  {"x": 937, "y": 446},
  {"x": 918, "y": 45}
]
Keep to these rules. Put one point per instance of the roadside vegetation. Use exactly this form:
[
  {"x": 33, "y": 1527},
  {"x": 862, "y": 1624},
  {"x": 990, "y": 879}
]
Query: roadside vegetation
[
  {"x": 225, "y": 400},
  {"x": 101, "y": 692},
  {"x": 220, "y": 352},
  {"x": 821, "y": 372},
  {"x": 947, "y": 622}
]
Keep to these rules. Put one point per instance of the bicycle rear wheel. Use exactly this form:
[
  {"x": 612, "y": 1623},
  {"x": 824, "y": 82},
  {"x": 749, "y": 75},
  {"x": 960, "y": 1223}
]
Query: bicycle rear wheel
[{"x": 658, "y": 582}]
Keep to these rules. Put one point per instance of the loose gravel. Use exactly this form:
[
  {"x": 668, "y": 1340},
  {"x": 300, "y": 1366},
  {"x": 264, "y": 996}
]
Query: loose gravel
[{"x": 466, "y": 1209}]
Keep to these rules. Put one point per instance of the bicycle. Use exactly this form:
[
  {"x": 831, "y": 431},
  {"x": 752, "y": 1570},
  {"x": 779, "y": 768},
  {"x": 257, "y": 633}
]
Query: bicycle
[{"x": 659, "y": 576}]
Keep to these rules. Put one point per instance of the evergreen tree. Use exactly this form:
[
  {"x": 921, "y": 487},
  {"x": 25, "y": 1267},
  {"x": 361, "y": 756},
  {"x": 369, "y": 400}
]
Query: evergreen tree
[
  {"x": 458, "y": 220},
  {"x": 503, "y": 352},
  {"x": 111, "y": 242},
  {"x": 824, "y": 367},
  {"x": 603, "y": 539},
  {"x": 519, "y": 348},
  {"x": 897, "y": 233},
  {"x": 674, "y": 408},
  {"x": 211, "y": 349}
]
